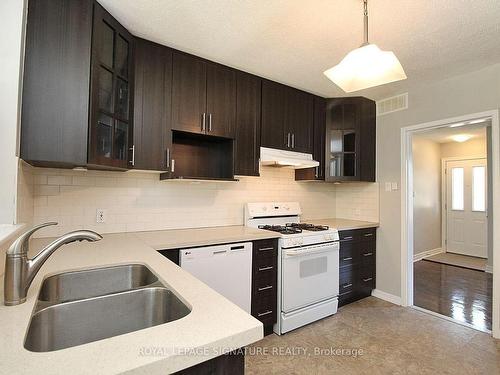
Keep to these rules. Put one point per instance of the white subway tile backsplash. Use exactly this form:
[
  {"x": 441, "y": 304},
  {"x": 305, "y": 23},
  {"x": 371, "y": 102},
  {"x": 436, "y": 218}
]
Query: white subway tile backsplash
[{"x": 140, "y": 201}]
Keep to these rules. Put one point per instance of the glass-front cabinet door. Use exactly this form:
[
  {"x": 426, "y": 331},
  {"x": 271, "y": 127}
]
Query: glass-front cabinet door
[
  {"x": 342, "y": 143},
  {"x": 110, "y": 119}
]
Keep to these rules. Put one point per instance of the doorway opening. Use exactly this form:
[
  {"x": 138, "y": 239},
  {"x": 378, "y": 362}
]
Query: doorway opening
[{"x": 449, "y": 180}]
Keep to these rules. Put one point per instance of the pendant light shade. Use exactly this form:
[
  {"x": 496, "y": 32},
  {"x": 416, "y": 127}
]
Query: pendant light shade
[{"x": 366, "y": 66}]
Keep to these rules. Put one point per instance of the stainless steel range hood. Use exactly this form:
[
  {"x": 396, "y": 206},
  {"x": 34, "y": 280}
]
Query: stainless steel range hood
[{"x": 288, "y": 159}]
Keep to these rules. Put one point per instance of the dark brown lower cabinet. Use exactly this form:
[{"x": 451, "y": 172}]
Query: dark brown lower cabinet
[
  {"x": 357, "y": 264},
  {"x": 228, "y": 364},
  {"x": 265, "y": 282}
]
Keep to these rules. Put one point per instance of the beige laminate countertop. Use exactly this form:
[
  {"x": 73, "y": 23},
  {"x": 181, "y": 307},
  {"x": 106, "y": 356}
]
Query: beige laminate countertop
[
  {"x": 345, "y": 224},
  {"x": 214, "y": 325},
  {"x": 182, "y": 238}
]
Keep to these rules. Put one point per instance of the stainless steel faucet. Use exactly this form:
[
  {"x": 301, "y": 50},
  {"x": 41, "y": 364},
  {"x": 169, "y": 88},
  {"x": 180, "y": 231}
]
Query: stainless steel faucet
[{"x": 20, "y": 271}]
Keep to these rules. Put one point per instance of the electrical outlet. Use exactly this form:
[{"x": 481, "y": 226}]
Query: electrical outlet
[{"x": 100, "y": 215}]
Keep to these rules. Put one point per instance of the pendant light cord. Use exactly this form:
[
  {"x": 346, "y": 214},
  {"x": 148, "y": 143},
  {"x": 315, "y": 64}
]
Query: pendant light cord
[{"x": 365, "y": 17}]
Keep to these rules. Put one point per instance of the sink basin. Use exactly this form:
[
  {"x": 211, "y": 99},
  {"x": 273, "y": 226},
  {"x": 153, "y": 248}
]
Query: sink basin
[
  {"x": 78, "y": 307},
  {"x": 80, "y": 322},
  {"x": 76, "y": 285}
]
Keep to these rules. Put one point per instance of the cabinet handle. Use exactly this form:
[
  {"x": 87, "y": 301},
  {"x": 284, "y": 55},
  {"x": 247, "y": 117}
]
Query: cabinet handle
[
  {"x": 265, "y": 313},
  {"x": 168, "y": 157},
  {"x": 293, "y": 140},
  {"x": 288, "y": 140},
  {"x": 348, "y": 258},
  {"x": 209, "y": 122},
  {"x": 316, "y": 172},
  {"x": 173, "y": 165},
  {"x": 367, "y": 254},
  {"x": 266, "y": 248},
  {"x": 368, "y": 234},
  {"x": 346, "y": 286},
  {"x": 266, "y": 268},
  {"x": 265, "y": 288},
  {"x": 347, "y": 238},
  {"x": 203, "y": 121},
  {"x": 368, "y": 279},
  {"x": 133, "y": 155}
]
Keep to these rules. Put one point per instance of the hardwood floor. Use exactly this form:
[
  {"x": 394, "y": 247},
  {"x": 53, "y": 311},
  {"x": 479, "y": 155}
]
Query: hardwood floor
[{"x": 460, "y": 293}]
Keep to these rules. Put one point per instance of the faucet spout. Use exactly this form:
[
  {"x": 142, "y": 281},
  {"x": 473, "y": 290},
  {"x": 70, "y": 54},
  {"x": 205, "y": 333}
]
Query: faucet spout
[{"x": 20, "y": 271}]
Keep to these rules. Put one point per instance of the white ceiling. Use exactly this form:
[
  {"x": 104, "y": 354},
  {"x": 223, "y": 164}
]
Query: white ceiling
[
  {"x": 294, "y": 41},
  {"x": 443, "y": 135}
]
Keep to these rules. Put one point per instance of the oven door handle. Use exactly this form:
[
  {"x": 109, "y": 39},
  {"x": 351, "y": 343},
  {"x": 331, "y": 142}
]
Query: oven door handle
[{"x": 312, "y": 250}]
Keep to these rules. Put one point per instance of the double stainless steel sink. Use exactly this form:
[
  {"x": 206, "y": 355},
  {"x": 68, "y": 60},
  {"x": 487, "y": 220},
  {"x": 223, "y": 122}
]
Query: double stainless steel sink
[{"x": 79, "y": 307}]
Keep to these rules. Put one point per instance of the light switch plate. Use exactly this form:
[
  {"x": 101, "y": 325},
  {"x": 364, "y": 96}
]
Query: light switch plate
[
  {"x": 394, "y": 186},
  {"x": 388, "y": 186}
]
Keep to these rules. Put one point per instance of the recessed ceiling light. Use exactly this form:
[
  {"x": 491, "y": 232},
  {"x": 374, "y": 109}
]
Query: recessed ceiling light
[
  {"x": 458, "y": 124},
  {"x": 478, "y": 121},
  {"x": 461, "y": 137}
]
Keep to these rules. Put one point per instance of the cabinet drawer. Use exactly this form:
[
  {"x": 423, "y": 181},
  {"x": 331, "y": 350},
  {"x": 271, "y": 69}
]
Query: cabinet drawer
[
  {"x": 347, "y": 254},
  {"x": 264, "y": 264},
  {"x": 265, "y": 248},
  {"x": 357, "y": 234},
  {"x": 264, "y": 287},
  {"x": 346, "y": 280}
]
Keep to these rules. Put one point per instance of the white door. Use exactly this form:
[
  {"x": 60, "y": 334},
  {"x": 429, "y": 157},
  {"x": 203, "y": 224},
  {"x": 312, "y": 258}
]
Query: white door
[{"x": 466, "y": 218}]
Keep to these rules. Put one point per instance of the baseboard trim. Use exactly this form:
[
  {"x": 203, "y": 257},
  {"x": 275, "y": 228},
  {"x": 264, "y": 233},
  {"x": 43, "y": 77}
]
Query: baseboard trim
[
  {"x": 488, "y": 269},
  {"x": 386, "y": 297},
  {"x": 428, "y": 253}
]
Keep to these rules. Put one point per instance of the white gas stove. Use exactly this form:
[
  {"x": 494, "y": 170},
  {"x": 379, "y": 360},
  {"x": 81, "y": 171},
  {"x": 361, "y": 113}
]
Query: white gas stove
[{"x": 308, "y": 263}]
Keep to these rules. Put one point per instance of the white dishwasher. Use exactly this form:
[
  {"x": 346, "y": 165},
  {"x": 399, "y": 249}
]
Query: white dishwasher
[{"x": 225, "y": 268}]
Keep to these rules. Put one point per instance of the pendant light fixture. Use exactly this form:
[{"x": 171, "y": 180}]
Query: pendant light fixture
[{"x": 366, "y": 66}]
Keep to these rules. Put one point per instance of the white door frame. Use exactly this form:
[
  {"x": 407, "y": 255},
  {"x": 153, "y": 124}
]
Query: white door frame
[
  {"x": 407, "y": 206},
  {"x": 444, "y": 229}
]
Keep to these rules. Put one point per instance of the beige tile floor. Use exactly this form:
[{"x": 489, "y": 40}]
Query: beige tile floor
[{"x": 393, "y": 340}]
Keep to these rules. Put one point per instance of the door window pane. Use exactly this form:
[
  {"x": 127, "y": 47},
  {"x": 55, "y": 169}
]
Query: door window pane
[
  {"x": 122, "y": 99},
  {"x": 479, "y": 189},
  {"x": 107, "y": 45},
  {"x": 105, "y": 90},
  {"x": 457, "y": 189},
  {"x": 335, "y": 165},
  {"x": 122, "y": 56},
  {"x": 349, "y": 141},
  {"x": 349, "y": 165},
  {"x": 120, "y": 141},
  {"x": 104, "y": 134}
]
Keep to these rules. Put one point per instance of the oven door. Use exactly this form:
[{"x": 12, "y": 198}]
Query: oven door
[{"x": 310, "y": 274}]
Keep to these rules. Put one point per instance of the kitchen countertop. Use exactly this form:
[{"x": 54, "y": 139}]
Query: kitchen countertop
[
  {"x": 215, "y": 324},
  {"x": 182, "y": 238},
  {"x": 345, "y": 224}
]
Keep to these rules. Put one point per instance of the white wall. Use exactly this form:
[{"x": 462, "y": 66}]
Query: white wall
[
  {"x": 11, "y": 26},
  {"x": 473, "y": 147},
  {"x": 140, "y": 201},
  {"x": 427, "y": 195},
  {"x": 468, "y": 93}
]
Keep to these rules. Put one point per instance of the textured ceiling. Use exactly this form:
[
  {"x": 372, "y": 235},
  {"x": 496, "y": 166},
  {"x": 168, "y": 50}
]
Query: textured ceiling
[{"x": 294, "y": 41}]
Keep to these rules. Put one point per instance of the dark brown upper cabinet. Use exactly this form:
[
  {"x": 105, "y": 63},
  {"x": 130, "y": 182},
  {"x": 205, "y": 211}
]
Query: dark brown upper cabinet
[
  {"x": 248, "y": 117},
  {"x": 350, "y": 139},
  {"x": 152, "y": 141},
  {"x": 203, "y": 97},
  {"x": 77, "y": 85},
  {"x": 299, "y": 120},
  {"x": 273, "y": 133},
  {"x": 189, "y": 93},
  {"x": 112, "y": 86},
  {"x": 221, "y": 101},
  {"x": 319, "y": 128},
  {"x": 287, "y": 118}
]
